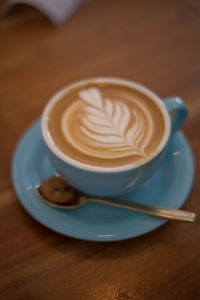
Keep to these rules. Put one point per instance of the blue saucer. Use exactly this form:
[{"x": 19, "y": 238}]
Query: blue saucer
[{"x": 169, "y": 186}]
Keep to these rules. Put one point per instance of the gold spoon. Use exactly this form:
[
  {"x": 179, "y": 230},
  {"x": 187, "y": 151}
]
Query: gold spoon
[{"x": 56, "y": 185}]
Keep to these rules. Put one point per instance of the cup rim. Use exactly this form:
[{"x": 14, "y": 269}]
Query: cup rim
[{"x": 132, "y": 84}]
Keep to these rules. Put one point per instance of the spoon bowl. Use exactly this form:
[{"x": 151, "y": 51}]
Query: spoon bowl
[{"x": 64, "y": 206}]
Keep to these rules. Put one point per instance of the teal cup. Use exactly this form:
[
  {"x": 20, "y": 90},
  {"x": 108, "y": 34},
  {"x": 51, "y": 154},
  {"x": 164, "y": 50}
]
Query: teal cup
[{"x": 112, "y": 181}]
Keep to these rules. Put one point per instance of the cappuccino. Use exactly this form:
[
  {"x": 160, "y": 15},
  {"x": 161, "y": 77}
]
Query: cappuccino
[{"x": 106, "y": 124}]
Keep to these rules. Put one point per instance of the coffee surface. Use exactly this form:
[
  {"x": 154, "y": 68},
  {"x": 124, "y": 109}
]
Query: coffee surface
[{"x": 106, "y": 125}]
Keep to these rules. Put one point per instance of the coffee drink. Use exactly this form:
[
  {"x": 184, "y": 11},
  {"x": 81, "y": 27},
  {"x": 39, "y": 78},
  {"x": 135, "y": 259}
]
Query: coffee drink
[{"x": 106, "y": 124}]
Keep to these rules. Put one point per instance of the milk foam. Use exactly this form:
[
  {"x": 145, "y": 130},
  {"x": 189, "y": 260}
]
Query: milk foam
[{"x": 107, "y": 128}]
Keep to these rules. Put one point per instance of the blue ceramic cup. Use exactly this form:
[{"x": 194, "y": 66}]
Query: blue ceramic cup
[{"x": 110, "y": 181}]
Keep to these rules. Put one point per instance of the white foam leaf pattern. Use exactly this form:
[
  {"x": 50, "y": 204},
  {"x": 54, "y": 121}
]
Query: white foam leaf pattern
[
  {"x": 96, "y": 112},
  {"x": 117, "y": 115},
  {"x": 97, "y": 120},
  {"x": 98, "y": 127},
  {"x": 109, "y": 107},
  {"x": 107, "y": 139},
  {"x": 92, "y": 97},
  {"x": 125, "y": 119},
  {"x": 109, "y": 122}
]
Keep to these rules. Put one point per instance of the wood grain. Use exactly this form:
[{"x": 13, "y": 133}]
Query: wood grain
[{"x": 153, "y": 42}]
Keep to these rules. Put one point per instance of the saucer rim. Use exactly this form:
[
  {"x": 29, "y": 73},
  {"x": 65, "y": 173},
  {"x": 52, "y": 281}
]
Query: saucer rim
[{"x": 90, "y": 237}]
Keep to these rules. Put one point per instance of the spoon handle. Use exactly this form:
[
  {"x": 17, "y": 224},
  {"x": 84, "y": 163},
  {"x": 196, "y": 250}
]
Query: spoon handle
[{"x": 159, "y": 211}]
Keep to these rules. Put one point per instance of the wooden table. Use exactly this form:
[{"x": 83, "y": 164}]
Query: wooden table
[{"x": 154, "y": 42}]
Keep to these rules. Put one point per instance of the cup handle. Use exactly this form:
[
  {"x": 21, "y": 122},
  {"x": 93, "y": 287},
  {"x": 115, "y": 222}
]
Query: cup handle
[{"x": 177, "y": 111}]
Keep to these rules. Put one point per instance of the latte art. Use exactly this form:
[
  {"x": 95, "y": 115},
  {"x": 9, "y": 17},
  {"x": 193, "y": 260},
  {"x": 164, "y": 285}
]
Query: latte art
[
  {"x": 106, "y": 125},
  {"x": 107, "y": 129}
]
